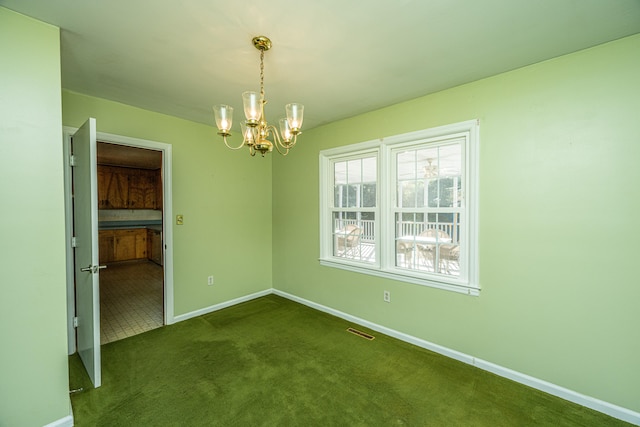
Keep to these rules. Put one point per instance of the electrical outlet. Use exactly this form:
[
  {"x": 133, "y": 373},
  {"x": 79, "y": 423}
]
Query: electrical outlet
[
  {"x": 210, "y": 280},
  {"x": 387, "y": 296}
]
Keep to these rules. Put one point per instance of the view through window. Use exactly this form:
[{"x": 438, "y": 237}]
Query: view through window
[{"x": 404, "y": 207}]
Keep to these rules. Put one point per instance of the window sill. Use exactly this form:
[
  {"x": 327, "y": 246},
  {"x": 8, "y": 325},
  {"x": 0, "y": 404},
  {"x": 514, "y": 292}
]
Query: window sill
[{"x": 397, "y": 275}]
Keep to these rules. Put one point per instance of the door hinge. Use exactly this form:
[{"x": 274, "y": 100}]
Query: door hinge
[
  {"x": 72, "y": 160},
  {"x": 74, "y": 242},
  {"x": 75, "y": 322}
]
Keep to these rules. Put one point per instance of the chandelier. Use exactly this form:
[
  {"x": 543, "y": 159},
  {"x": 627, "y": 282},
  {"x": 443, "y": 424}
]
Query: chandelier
[
  {"x": 257, "y": 134},
  {"x": 430, "y": 171}
]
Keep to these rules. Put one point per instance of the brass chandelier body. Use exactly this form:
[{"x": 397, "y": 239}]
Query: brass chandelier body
[{"x": 257, "y": 134}]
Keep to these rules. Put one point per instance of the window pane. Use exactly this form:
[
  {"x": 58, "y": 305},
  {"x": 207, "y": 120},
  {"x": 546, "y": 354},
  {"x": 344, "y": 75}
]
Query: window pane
[
  {"x": 369, "y": 170},
  {"x": 340, "y": 173},
  {"x": 407, "y": 194},
  {"x": 369, "y": 195},
  {"x": 354, "y": 236},
  {"x": 450, "y": 160},
  {"x": 431, "y": 246},
  {"x": 406, "y": 165},
  {"x": 354, "y": 171},
  {"x": 352, "y": 196},
  {"x": 427, "y": 162},
  {"x": 339, "y": 196},
  {"x": 448, "y": 193},
  {"x": 429, "y": 177},
  {"x": 355, "y": 183}
]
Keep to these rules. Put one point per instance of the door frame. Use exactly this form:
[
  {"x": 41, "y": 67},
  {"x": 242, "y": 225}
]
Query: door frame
[{"x": 167, "y": 223}]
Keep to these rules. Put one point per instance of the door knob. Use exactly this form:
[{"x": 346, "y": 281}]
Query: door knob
[{"x": 93, "y": 269}]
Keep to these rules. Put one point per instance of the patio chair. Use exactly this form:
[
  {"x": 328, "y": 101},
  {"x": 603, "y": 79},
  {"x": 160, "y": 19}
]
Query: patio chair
[
  {"x": 448, "y": 252},
  {"x": 348, "y": 240},
  {"x": 405, "y": 249}
]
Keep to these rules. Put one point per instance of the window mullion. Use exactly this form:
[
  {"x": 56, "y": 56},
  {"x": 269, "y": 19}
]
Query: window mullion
[{"x": 388, "y": 196}]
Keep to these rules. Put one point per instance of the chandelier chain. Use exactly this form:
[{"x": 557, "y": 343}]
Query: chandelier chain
[{"x": 262, "y": 75}]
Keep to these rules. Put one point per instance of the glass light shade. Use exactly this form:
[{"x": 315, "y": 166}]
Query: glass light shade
[
  {"x": 247, "y": 132},
  {"x": 294, "y": 116},
  {"x": 251, "y": 101},
  {"x": 285, "y": 130},
  {"x": 224, "y": 117}
]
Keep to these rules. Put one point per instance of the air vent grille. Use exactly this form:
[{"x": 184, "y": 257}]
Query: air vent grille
[{"x": 360, "y": 334}]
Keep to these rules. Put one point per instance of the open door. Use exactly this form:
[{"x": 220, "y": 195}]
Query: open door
[{"x": 85, "y": 225}]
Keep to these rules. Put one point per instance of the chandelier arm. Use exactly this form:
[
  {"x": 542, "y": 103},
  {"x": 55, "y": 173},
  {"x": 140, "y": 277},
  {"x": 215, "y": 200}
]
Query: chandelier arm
[
  {"x": 280, "y": 151},
  {"x": 290, "y": 144},
  {"x": 224, "y": 138},
  {"x": 277, "y": 142}
]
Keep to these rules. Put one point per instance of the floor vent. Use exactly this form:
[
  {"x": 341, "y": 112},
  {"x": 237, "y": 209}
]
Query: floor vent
[{"x": 361, "y": 334}]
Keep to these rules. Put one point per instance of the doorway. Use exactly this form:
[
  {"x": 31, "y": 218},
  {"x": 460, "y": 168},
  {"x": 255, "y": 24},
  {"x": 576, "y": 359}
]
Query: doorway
[
  {"x": 129, "y": 239},
  {"x": 141, "y": 266}
]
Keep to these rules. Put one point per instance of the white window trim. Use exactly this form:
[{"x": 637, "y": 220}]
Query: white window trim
[{"x": 385, "y": 259}]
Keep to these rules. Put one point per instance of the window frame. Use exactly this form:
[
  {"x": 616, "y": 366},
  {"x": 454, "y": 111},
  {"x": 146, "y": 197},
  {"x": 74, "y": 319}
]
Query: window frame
[{"x": 385, "y": 210}]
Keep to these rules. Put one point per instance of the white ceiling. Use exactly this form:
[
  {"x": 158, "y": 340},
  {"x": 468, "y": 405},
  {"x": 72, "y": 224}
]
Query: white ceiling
[{"x": 339, "y": 58}]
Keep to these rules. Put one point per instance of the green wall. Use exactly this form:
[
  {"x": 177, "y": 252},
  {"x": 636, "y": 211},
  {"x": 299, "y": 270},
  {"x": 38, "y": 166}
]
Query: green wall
[
  {"x": 557, "y": 235},
  {"x": 224, "y": 196},
  {"x": 33, "y": 359},
  {"x": 558, "y": 223}
]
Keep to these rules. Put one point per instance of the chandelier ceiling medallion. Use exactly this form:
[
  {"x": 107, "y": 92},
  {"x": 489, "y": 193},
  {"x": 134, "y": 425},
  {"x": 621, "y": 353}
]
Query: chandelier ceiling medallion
[{"x": 257, "y": 134}]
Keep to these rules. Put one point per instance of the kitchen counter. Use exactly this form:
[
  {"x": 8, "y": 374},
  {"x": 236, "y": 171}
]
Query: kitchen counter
[{"x": 114, "y": 225}]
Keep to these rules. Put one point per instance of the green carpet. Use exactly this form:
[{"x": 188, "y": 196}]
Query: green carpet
[{"x": 273, "y": 362}]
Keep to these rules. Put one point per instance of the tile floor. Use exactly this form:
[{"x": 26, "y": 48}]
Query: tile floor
[{"x": 131, "y": 299}]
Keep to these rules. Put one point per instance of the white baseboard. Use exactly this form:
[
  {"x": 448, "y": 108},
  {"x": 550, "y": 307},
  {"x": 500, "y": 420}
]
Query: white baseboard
[
  {"x": 221, "y": 305},
  {"x": 63, "y": 422},
  {"x": 553, "y": 389}
]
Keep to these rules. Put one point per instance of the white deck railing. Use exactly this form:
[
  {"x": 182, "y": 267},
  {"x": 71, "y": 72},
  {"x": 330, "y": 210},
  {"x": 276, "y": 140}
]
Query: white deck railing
[{"x": 404, "y": 228}]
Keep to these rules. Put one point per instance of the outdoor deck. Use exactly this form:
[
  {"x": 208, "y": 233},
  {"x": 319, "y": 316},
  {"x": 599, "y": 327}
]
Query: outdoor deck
[{"x": 414, "y": 260}]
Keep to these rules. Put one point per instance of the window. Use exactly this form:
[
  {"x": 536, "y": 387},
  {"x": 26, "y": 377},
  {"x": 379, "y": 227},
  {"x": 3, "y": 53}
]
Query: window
[
  {"x": 404, "y": 207},
  {"x": 354, "y": 208}
]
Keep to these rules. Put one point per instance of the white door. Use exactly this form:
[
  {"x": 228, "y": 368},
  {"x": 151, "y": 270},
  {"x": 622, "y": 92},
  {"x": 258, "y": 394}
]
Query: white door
[{"x": 85, "y": 225}]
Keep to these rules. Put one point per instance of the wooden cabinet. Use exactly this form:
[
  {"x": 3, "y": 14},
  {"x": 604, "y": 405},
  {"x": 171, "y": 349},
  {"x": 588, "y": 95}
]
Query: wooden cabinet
[
  {"x": 154, "y": 246},
  {"x": 128, "y": 188},
  {"x": 125, "y": 245},
  {"x": 122, "y": 245},
  {"x": 113, "y": 187},
  {"x": 159, "y": 189},
  {"x": 105, "y": 246},
  {"x": 141, "y": 244},
  {"x": 143, "y": 189}
]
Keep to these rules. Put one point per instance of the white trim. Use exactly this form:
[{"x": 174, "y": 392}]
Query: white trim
[
  {"x": 65, "y": 421},
  {"x": 62, "y": 422},
  {"x": 564, "y": 393},
  {"x": 167, "y": 223},
  {"x": 547, "y": 387},
  {"x": 68, "y": 224},
  {"x": 468, "y": 134},
  {"x": 397, "y": 275},
  {"x": 167, "y": 213},
  {"x": 220, "y": 306}
]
